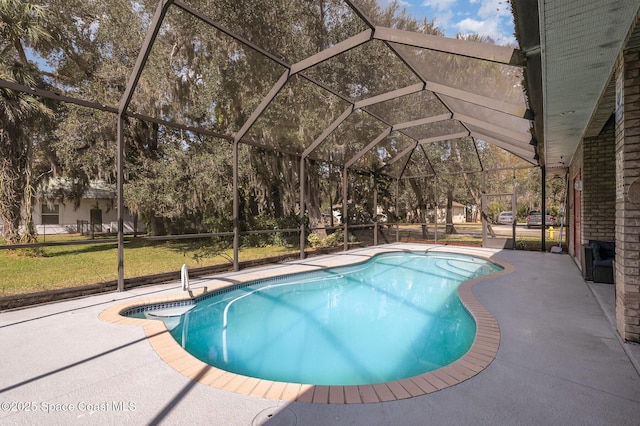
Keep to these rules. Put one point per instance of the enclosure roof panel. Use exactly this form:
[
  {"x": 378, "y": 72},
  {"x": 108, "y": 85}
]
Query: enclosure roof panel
[{"x": 319, "y": 80}]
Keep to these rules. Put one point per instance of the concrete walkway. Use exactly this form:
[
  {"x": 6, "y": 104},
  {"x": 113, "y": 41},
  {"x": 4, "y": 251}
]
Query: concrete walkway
[{"x": 559, "y": 363}]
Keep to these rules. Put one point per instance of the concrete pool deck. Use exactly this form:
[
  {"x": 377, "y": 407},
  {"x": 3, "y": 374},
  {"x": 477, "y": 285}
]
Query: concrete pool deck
[{"x": 559, "y": 362}]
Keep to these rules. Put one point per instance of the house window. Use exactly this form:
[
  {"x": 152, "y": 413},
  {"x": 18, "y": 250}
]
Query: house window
[{"x": 50, "y": 215}]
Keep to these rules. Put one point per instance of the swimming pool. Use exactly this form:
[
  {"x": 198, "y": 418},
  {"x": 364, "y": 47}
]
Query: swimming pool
[{"x": 394, "y": 316}]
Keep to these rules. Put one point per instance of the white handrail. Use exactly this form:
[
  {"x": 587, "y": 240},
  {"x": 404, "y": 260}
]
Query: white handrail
[{"x": 184, "y": 276}]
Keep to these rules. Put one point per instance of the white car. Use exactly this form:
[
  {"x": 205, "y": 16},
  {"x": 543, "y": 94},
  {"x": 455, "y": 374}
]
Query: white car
[{"x": 505, "y": 218}]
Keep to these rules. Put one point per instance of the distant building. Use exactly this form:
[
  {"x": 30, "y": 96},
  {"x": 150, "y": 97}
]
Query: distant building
[
  {"x": 96, "y": 212},
  {"x": 458, "y": 215}
]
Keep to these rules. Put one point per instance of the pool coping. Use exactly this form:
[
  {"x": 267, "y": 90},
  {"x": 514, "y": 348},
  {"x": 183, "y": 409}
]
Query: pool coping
[{"x": 480, "y": 355}]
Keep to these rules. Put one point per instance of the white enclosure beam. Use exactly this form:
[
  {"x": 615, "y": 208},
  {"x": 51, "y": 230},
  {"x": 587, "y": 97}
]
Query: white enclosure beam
[
  {"x": 471, "y": 49},
  {"x": 263, "y": 105},
  {"x": 422, "y": 121},
  {"x": 491, "y": 103},
  {"x": 414, "y": 88},
  {"x": 373, "y": 143},
  {"x": 444, "y": 138},
  {"x": 518, "y": 136},
  {"x": 334, "y": 50},
  {"x": 519, "y": 151},
  {"x": 328, "y": 131},
  {"x": 402, "y": 154}
]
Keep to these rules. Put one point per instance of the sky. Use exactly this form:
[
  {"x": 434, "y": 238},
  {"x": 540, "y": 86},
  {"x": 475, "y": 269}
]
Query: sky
[{"x": 486, "y": 17}]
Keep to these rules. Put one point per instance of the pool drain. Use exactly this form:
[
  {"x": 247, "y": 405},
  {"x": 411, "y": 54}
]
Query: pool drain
[{"x": 275, "y": 416}]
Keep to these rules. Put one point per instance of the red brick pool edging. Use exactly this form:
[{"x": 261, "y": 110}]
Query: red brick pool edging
[{"x": 482, "y": 352}]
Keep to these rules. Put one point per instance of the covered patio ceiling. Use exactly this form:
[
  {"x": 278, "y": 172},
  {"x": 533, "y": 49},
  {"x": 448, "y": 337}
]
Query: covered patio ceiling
[
  {"x": 409, "y": 95},
  {"x": 571, "y": 48}
]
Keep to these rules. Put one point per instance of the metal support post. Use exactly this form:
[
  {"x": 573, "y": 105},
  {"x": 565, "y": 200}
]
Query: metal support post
[
  {"x": 120, "y": 205},
  {"x": 483, "y": 208},
  {"x": 132, "y": 82},
  {"x": 435, "y": 191},
  {"x": 544, "y": 208},
  {"x": 344, "y": 209},
  {"x": 397, "y": 211},
  {"x": 514, "y": 208},
  {"x": 236, "y": 208},
  {"x": 302, "y": 207},
  {"x": 375, "y": 210}
]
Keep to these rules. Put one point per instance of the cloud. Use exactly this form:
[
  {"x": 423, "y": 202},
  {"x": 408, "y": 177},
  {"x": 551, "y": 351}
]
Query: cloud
[
  {"x": 386, "y": 3},
  {"x": 443, "y": 20},
  {"x": 469, "y": 25},
  {"x": 493, "y": 19},
  {"x": 491, "y": 27},
  {"x": 492, "y": 8},
  {"x": 439, "y": 5},
  {"x": 485, "y": 17}
]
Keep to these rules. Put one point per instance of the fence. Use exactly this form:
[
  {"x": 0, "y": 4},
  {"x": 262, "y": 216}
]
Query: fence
[{"x": 84, "y": 227}]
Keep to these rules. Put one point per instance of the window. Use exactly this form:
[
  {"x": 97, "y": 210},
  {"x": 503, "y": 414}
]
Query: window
[{"x": 50, "y": 215}]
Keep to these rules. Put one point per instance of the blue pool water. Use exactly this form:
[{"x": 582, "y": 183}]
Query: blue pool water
[{"x": 395, "y": 316}]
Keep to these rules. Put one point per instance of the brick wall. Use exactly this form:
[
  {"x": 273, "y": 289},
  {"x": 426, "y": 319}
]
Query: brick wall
[
  {"x": 599, "y": 185},
  {"x": 627, "y": 157}
]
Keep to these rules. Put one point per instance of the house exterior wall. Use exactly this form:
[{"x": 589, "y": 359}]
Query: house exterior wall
[
  {"x": 594, "y": 166},
  {"x": 627, "y": 160},
  {"x": 598, "y": 185},
  {"x": 458, "y": 214},
  {"x": 609, "y": 167},
  {"x": 69, "y": 216}
]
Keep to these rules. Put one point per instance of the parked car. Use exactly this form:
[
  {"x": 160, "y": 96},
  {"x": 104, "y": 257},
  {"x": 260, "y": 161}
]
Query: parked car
[
  {"x": 505, "y": 218},
  {"x": 535, "y": 219}
]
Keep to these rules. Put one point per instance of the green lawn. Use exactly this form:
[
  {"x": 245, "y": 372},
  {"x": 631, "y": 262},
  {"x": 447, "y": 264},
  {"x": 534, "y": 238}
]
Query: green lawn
[
  {"x": 75, "y": 265},
  {"x": 67, "y": 266}
]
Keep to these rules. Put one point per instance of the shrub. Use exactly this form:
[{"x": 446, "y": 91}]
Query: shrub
[
  {"x": 332, "y": 240},
  {"x": 314, "y": 241}
]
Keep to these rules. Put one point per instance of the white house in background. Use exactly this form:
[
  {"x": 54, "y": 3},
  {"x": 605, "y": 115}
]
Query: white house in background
[
  {"x": 96, "y": 212},
  {"x": 459, "y": 213}
]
